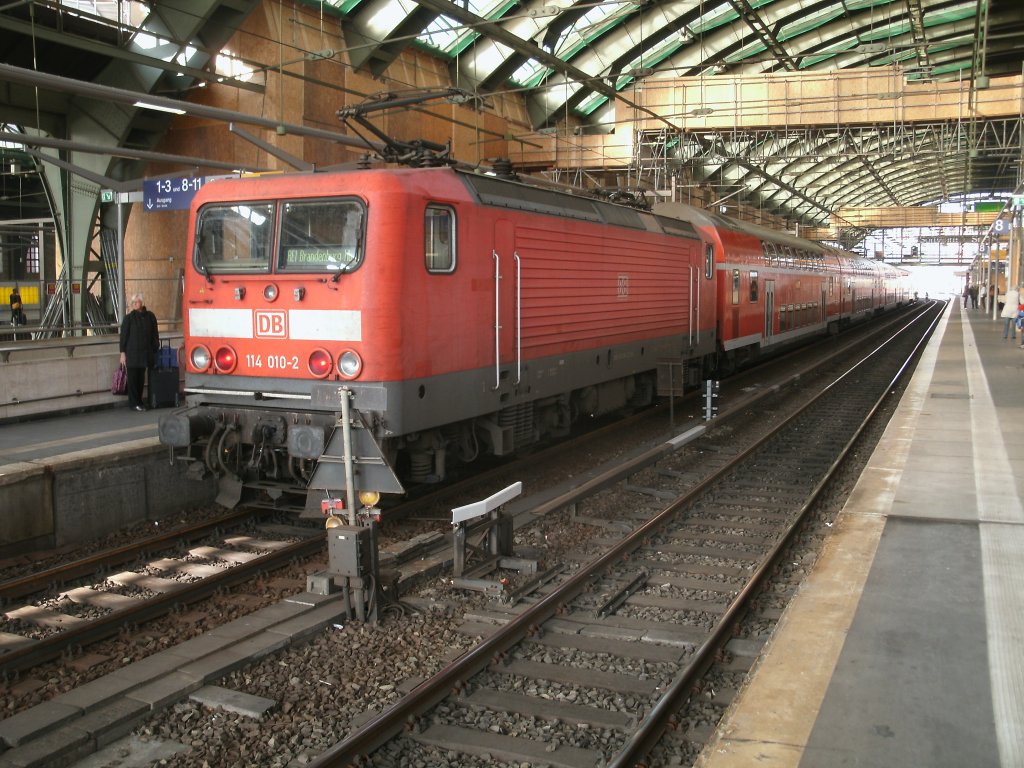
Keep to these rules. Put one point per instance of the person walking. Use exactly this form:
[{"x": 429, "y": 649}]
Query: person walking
[
  {"x": 983, "y": 294},
  {"x": 1009, "y": 313},
  {"x": 140, "y": 340}
]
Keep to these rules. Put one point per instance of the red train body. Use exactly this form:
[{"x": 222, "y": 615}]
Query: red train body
[{"x": 422, "y": 317}]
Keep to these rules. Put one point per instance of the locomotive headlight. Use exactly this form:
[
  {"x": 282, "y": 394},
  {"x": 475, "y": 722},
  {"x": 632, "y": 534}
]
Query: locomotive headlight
[
  {"x": 225, "y": 360},
  {"x": 320, "y": 363},
  {"x": 270, "y": 292},
  {"x": 369, "y": 498},
  {"x": 200, "y": 358},
  {"x": 350, "y": 365}
]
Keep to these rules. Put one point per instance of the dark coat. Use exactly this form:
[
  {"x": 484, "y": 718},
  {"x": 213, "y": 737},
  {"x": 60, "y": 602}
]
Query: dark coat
[{"x": 140, "y": 338}]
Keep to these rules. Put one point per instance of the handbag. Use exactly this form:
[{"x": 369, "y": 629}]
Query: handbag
[{"x": 119, "y": 384}]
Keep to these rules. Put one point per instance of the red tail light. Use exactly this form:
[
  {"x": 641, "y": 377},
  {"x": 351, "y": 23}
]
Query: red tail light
[
  {"x": 320, "y": 363},
  {"x": 226, "y": 360}
]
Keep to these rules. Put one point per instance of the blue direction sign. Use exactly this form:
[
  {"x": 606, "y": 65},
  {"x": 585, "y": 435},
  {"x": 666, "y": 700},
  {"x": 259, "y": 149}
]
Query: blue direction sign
[{"x": 169, "y": 194}]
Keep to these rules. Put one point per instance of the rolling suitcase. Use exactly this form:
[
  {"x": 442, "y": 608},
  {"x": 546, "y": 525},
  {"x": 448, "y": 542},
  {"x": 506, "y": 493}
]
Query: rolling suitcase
[
  {"x": 163, "y": 379},
  {"x": 163, "y": 388}
]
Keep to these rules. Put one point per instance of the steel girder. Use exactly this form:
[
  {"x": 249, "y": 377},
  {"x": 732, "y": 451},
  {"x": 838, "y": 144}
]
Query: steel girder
[{"x": 902, "y": 164}]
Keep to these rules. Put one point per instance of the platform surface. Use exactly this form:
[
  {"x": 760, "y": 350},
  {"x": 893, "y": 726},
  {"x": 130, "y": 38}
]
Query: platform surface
[
  {"x": 45, "y": 438},
  {"x": 905, "y": 645}
]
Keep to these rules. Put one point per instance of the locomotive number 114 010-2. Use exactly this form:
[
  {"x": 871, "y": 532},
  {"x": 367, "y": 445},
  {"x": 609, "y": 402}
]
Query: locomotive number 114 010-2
[{"x": 276, "y": 362}]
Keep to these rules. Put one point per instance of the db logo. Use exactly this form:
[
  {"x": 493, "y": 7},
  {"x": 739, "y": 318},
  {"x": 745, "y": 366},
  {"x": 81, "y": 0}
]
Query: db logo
[
  {"x": 622, "y": 286},
  {"x": 271, "y": 324}
]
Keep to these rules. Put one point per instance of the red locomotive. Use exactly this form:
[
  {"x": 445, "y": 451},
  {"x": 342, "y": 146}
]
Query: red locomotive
[{"x": 363, "y": 330}]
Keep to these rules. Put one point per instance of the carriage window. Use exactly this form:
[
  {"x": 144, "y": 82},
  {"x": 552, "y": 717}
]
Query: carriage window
[
  {"x": 735, "y": 286},
  {"x": 753, "y": 287},
  {"x": 232, "y": 239},
  {"x": 439, "y": 239},
  {"x": 709, "y": 261},
  {"x": 321, "y": 236}
]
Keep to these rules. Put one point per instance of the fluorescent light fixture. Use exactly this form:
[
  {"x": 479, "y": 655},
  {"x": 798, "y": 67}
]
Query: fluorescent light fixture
[{"x": 159, "y": 108}]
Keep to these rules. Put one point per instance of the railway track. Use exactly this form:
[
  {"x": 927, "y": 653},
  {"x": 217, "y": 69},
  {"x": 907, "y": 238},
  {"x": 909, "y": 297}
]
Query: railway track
[
  {"x": 610, "y": 650},
  {"x": 89, "y": 600},
  {"x": 612, "y": 512},
  {"x": 104, "y": 600}
]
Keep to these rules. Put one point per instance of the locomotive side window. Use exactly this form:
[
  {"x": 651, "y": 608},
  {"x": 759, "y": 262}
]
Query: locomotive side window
[
  {"x": 753, "y": 286},
  {"x": 439, "y": 239},
  {"x": 709, "y": 261},
  {"x": 234, "y": 238},
  {"x": 735, "y": 286},
  {"x": 321, "y": 236}
]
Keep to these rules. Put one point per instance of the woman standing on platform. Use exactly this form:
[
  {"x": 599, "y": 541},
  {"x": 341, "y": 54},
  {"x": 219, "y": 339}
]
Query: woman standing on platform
[{"x": 140, "y": 341}]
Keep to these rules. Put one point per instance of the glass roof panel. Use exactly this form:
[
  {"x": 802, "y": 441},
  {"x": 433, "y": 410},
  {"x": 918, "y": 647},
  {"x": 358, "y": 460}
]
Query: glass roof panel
[
  {"x": 226, "y": 63},
  {"x": 589, "y": 105},
  {"x": 342, "y": 5},
  {"x": 386, "y": 19},
  {"x": 885, "y": 31},
  {"x": 751, "y": 49},
  {"x": 589, "y": 26},
  {"x": 531, "y": 73},
  {"x": 953, "y": 66},
  {"x": 948, "y": 15},
  {"x": 493, "y": 56},
  {"x": 719, "y": 16},
  {"x": 863, "y": 5},
  {"x": 595, "y": 21},
  {"x": 111, "y": 10},
  {"x": 898, "y": 56},
  {"x": 443, "y": 34},
  {"x": 449, "y": 36},
  {"x": 810, "y": 21}
]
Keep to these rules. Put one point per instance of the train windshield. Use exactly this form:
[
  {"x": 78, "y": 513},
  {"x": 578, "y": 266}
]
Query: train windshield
[
  {"x": 321, "y": 236},
  {"x": 235, "y": 238}
]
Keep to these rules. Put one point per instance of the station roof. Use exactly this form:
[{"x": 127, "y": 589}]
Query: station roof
[{"x": 575, "y": 61}]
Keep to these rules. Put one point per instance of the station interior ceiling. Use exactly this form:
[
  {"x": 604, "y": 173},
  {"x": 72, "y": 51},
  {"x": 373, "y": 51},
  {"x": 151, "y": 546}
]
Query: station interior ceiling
[{"x": 835, "y": 119}]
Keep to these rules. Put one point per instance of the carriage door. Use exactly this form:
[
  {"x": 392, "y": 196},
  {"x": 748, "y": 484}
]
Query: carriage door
[
  {"x": 507, "y": 271},
  {"x": 769, "y": 310}
]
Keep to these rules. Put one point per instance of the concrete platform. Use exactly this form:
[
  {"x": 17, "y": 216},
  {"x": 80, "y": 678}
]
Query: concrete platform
[
  {"x": 905, "y": 646},
  {"x": 84, "y": 475}
]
